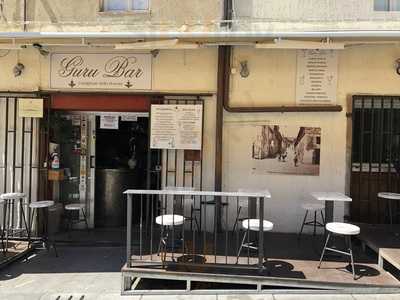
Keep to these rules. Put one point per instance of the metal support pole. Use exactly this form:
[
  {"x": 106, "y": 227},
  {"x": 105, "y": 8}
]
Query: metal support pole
[
  {"x": 129, "y": 231},
  {"x": 261, "y": 235}
]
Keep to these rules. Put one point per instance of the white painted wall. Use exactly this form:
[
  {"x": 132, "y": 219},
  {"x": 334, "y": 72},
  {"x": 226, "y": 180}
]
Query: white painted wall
[{"x": 367, "y": 69}]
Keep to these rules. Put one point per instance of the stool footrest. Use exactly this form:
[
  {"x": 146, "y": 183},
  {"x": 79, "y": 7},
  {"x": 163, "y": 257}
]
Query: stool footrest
[{"x": 338, "y": 251}]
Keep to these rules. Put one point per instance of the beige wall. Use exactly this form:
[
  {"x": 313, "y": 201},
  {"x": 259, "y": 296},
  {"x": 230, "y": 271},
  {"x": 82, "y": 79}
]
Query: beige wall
[
  {"x": 311, "y": 15},
  {"x": 173, "y": 70},
  {"x": 368, "y": 69},
  {"x": 73, "y": 15}
]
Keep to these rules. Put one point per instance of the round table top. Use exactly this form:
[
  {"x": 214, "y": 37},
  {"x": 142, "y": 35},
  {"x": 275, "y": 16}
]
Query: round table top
[
  {"x": 254, "y": 224},
  {"x": 12, "y": 196},
  {"x": 74, "y": 206},
  {"x": 343, "y": 228},
  {"x": 387, "y": 195},
  {"x": 168, "y": 220},
  {"x": 41, "y": 204}
]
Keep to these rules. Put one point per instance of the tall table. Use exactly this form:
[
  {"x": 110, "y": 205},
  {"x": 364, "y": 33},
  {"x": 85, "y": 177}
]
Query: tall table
[
  {"x": 265, "y": 194},
  {"x": 330, "y": 198}
]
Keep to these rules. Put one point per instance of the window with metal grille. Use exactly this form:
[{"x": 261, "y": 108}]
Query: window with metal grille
[
  {"x": 376, "y": 134},
  {"x": 126, "y": 5},
  {"x": 387, "y": 5}
]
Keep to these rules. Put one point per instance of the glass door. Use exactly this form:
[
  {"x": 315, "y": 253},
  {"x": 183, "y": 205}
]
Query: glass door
[{"x": 76, "y": 135}]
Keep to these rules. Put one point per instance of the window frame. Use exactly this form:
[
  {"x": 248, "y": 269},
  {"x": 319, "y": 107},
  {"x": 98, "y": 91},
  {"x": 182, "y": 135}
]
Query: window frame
[
  {"x": 103, "y": 9},
  {"x": 391, "y": 5}
]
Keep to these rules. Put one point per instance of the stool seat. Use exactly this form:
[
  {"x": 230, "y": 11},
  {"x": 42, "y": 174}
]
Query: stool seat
[
  {"x": 254, "y": 225},
  {"x": 12, "y": 196},
  {"x": 313, "y": 206},
  {"x": 169, "y": 220},
  {"x": 41, "y": 204},
  {"x": 74, "y": 206},
  {"x": 391, "y": 196},
  {"x": 343, "y": 228}
]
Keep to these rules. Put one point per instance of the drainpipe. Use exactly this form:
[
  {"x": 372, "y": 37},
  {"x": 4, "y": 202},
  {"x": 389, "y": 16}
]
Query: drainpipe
[
  {"x": 221, "y": 81},
  {"x": 25, "y": 15}
]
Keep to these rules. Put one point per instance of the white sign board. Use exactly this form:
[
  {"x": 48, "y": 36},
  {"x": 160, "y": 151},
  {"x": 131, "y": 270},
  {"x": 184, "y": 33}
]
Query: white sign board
[
  {"x": 109, "y": 122},
  {"x": 30, "y": 108},
  {"x": 100, "y": 71},
  {"x": 316, "y": 80},
  {"x": 129, "y": 118},
  {"x": 176, "y": 126}
]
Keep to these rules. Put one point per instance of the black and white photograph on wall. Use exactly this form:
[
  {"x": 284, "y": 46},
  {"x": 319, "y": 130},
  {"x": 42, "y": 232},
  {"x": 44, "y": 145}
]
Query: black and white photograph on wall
[{"x": 286, "y": 150}]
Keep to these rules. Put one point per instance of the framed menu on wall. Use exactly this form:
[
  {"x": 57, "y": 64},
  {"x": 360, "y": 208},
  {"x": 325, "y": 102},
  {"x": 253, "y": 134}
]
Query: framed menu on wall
[
  {"x": 316, "y": 78},
  {"x": 176, "y": 126}
]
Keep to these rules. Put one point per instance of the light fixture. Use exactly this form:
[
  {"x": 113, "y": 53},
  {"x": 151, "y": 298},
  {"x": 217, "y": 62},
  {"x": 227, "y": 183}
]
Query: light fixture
[
  {"x": 296, "y": 44},
  {"x": 244, "y": 69},
  {"x": 18, "y": 68},
  {"x": 155, "y": 52},
  {"x": 41, "y": 50},
  {"x": 160, "y": 45}
]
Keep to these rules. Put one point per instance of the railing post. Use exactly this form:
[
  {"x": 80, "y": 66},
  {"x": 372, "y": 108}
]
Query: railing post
[
  {"x": 129, "y": 231},
  {"x": 261, "y": 235}
]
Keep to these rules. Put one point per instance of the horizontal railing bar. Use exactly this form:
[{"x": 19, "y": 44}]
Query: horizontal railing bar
[{"x": 264, "y": 194}]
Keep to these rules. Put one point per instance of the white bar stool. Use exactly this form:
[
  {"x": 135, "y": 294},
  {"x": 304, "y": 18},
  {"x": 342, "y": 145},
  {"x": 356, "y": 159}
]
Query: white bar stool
[
  {"x": 44, "y": 206},
  {"x": 252, "y": 225},
  {"x": 313, "y": 208},
  {"x": 166, "y": 221},
  {"x": 76, "y": 207},
  {"x": 8, "y": 201},
  {"x": 345, "y": 229}
]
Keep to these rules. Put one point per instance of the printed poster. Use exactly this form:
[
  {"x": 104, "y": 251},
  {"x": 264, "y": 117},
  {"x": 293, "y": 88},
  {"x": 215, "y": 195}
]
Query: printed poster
[
  {"x": 286, "y": 150},
  {"x": 176, "y": 126}
]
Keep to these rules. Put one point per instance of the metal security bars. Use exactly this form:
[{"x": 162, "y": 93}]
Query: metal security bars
[
  {"x": 19, "y": 157},
  {"x": 375, "y": 155},
  {"x": 183, "y": 167}
]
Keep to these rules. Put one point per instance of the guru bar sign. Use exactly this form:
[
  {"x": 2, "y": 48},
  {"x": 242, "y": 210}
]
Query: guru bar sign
[{"x": 100, "y": 71}]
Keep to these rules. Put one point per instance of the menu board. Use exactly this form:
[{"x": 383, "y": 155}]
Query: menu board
[
  {"x": 176, "y": 126},
  {"x": 316, "y": 80}
]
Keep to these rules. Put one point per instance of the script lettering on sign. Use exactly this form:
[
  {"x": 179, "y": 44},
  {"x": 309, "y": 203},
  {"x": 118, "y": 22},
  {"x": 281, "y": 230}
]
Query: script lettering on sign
[{"x": 100, "y": 71}]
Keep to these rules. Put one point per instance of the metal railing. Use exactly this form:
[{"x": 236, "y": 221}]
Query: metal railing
[{"x": 183, "y": 229}]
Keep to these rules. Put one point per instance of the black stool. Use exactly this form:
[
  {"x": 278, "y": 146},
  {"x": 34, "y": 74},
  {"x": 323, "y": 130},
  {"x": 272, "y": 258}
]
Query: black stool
[{"x": 44, "y": 206}]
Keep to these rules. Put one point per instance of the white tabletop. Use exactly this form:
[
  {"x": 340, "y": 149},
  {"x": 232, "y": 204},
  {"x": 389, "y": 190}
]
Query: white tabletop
[
  {"x": 330, "y": 196},
  {"x": 387, "y": 195},
  {"x": 258, "y": 194}
]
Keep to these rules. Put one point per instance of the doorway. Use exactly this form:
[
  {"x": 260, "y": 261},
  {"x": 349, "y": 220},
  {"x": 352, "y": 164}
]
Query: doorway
[
  {"x": 103, "y": 154},
  {"x": 375, "y": 155}
]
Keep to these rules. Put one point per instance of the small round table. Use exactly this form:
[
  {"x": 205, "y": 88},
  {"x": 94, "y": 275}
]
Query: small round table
[{"x": 390, "y": 197}]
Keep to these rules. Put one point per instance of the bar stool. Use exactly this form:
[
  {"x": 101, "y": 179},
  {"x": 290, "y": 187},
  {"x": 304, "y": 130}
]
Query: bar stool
[
  {"x": 313, "y": 208},
  {"x": 2, "y": 231},
  {"x": 8, "y": 201},
  {"x": 75, "y": 207},
  {"x": 253, "y": 225},
  {"x": 167, "y": 221},
  {"x": 346, "y": 230},
  {"x": 44, "y": 206}
]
